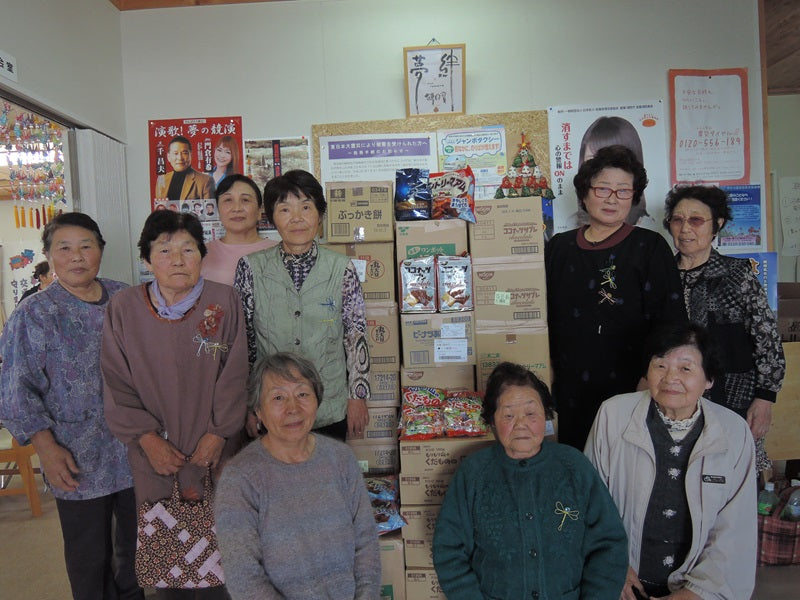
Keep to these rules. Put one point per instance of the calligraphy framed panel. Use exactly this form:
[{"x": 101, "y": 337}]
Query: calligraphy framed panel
[{"x": 435, "y": 79}]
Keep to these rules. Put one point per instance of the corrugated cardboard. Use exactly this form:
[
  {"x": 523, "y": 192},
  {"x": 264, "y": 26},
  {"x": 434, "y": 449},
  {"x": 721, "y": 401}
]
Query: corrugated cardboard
[
  {"x": 418, "y": 534},
  {"x": 381, "y": 427},
  {"x": 378, "y": 266},
  {"x": 439, "y": 455},
  {"x": 422, "y": 584},
  {"x": 360, "y": 211},
  {"x": 456, "y": 378},
  {"x": 436, "y": 339},
  {"x": 789, "y": 311},
  {"x": 527, "y": 346},
  {"x": 384, "y": 388},
  {"x": 393, "y": 578},
  {"x": 383, "y": 336},
  {"x": 376, "y": 459},
  {"x": 414, "y": 239},
  {"x": 509, "y": 294},
  {"x": 423, "y": 488},
  {"x": 511, "y": 227}
]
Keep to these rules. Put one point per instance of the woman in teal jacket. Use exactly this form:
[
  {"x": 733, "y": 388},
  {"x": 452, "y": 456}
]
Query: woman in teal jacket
[{"x": 527, "y": 518}]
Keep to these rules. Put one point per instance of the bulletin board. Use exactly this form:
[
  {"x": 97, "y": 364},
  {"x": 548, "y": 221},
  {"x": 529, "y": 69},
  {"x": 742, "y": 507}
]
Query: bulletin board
[{"x": 532, "y": 123}]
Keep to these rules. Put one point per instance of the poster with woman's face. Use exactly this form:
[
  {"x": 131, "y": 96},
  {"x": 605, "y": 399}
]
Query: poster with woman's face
[
  {"x": 578, "y": 131},
  {"x": 189, "y": 158}
]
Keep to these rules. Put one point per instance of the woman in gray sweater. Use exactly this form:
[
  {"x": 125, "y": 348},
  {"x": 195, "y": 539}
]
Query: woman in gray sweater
[{"x": 293, "y": 517}]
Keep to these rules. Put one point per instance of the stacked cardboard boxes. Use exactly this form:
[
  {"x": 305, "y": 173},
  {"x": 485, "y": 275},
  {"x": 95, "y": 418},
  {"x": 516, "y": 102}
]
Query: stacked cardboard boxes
[
  {"x": 434, "y": 341},
  {"x": 452, "y": 350},
  {"x": 360, "y": 225},
  {"x": 507, "y": 247},
  {"x": 393, "y": 585}
]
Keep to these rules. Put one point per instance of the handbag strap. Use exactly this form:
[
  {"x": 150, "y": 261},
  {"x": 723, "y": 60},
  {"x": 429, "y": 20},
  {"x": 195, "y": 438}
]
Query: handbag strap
[{"x": 208, "y": 487}]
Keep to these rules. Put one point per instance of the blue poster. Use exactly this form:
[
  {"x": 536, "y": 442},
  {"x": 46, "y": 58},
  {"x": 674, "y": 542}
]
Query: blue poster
[
  {"x": 744, "y": 230},
  {"x": 765, "y": 268}
]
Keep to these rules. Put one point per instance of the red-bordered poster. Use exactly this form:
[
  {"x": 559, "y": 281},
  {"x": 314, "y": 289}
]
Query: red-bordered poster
[
  {"x": 710, "y": 126},
  {"x": 190, "y": 157}
]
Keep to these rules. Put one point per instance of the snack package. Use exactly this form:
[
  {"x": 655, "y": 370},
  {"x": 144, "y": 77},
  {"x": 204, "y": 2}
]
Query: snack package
[
  {"x": 462, "y": 414},
  {"x": 382, "y": 488},
  {"x": 453, "y": 195},
  {"x": 421, "y": 413},
  {"x": 418, "y": 285},
  {"x": 454, "y": 283},
  {"x": 412, "y": 197},
  {"x": 384, "y": 497}
]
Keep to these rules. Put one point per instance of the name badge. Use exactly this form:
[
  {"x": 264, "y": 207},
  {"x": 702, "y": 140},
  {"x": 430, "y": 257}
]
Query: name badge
[{"x": 713, "y": 479}]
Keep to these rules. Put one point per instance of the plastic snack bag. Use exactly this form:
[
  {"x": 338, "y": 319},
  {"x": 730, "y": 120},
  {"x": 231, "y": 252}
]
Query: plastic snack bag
[
  {"x": 384, "y": 498},
  {"x": 453, "y": 195},
  {"x": 412, "y": 197},
  {"x": 421, "y": 413},
  {"x": 454, "y": 283},
  {"x": 462, "y": 414},
  {"x": 418, "y": 285}
]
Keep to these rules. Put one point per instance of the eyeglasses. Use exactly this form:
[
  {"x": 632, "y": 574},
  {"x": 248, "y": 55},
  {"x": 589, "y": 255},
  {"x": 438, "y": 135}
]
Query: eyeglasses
[
  {"x": 604, "y": 192},
  {"x": 694, "y": 222}
]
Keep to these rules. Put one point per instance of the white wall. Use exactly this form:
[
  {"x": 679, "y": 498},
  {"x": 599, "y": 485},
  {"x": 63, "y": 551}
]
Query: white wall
[
  {"x": 784, "y": 158},
  {"x": 283, "y": 66},
  {"x": 69, "y": 58}
]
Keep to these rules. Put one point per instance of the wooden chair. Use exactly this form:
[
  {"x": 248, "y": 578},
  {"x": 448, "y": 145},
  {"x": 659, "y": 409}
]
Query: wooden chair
[{"x": 21, "y": 457}]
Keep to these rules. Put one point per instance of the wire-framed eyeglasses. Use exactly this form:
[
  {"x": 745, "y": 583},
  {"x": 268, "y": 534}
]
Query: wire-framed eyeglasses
[
  {"x": 605, "y": 192},
  {"x": 694, "y": 222}
]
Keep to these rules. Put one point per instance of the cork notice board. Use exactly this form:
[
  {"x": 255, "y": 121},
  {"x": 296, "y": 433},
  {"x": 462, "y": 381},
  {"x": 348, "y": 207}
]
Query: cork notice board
[{"x": 532, "y": 123}]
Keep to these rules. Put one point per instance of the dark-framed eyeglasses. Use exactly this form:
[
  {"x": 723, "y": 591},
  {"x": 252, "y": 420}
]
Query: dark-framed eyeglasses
[
  {"x": 605, "y": 192},
  {"x": 694, "y": 222}
]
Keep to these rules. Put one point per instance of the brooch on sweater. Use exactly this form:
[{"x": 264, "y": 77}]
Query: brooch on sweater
[
  {"x": 565, "y": 512},
  {"x": 209, "y": 346},
  {"x": 609, "y": 279},
  {"x": 212, "y": 317}
]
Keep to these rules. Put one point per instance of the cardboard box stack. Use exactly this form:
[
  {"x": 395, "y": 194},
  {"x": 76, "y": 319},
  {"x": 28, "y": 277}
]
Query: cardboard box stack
[
  {"x": 360, "y": 225},
  {"x": 507, "y": 247},
  {"x": 454, "y": 350}
]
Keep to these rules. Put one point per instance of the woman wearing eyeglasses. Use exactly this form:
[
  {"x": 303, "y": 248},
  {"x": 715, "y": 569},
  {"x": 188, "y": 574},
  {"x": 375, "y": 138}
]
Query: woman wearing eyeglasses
[
  {"x": 608, "y": 284},
  {"x": 723, "y": 294}
]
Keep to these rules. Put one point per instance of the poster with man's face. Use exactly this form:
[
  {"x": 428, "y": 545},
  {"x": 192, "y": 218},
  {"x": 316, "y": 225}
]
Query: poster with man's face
[{"x": 189, "y": 158}]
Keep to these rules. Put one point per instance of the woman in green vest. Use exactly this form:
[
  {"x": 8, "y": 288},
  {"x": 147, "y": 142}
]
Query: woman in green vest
[{"x": 302, "y": 298}]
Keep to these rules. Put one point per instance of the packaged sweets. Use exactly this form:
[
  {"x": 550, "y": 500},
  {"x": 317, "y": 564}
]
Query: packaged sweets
[
  {"x": 462, "y": 414},
  {"x": 453, "y": 195},
  {"x": 384, "y": 499},
  {"x": 418, "y": 285},
  {"x": 454, "y": 283},
  {"x": 421, "y": 413},
  {"x": 412, "y": 197}
]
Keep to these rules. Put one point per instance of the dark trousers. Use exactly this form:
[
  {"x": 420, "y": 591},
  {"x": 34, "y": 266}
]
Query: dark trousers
[
  {"x": 214, "y": 593},
  {"x": 100, "y": 546}
]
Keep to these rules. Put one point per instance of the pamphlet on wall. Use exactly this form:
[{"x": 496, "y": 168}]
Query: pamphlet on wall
[
  {"x": 483, "y": 149},
  {"x": 375, "y": 157}
]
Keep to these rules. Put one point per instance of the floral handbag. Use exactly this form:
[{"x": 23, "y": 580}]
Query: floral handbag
[{"x": 176, "y": 545}]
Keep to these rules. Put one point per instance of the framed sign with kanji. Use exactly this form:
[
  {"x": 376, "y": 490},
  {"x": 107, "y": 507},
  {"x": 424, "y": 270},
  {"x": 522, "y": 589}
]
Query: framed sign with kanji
[{"x": 435, "y": 79}]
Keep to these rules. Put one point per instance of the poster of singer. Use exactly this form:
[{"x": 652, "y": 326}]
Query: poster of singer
[{"x": 190, "y": 157}]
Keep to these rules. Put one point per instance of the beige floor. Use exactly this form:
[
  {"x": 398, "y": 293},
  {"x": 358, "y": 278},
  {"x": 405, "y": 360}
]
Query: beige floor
[{"x": 32, "y": 562}]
